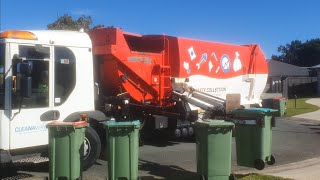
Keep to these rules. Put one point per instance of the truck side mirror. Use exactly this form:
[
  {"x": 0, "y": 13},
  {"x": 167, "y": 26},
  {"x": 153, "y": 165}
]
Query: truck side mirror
[
  {"x": 17, "y": 59},
  {"x": 45, "y": 51},
  {"x": 26, "y": 86}
]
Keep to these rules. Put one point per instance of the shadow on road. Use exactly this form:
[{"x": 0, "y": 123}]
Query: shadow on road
[
  {"x": 13, "y": 176},
  {"x": 12, "y": 172},
  {"x": 33, "y": 167},
  {"x": 168, "y": 172},
  {"x": 158, "y": 143},
  {"x": 310, "y": 124},
  {"x": 315, "y": 127},
  {"x": 164, "y": 143}
]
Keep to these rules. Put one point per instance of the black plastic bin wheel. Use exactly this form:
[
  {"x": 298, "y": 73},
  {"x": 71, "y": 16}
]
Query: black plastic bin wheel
[
  {"x": 272, "y": 160},
  {"x": 232, "y": 177},
  {"x": 202, "y": 177},
  {"x": 259, "y": 164}
]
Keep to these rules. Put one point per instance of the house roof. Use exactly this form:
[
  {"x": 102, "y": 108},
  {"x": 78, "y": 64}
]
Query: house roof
[{"x": 277, "y": 68}]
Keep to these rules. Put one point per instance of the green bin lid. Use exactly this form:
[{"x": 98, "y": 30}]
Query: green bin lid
[
  {"x": 254, "y": 111},
  {"x": 74, "y": 124},
  {"x": 126, "y": 123},
  {"x": 214, "y": 123}
]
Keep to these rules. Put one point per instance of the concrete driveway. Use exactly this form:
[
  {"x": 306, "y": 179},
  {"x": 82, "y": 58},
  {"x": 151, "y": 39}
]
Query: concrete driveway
[{"x": 312, "y": 115}]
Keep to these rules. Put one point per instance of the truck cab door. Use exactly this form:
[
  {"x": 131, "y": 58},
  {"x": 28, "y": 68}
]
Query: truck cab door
[{"x": 31, "y": 95}]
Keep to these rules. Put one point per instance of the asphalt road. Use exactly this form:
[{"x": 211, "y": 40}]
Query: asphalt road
[{"x": 293, "y": 140}]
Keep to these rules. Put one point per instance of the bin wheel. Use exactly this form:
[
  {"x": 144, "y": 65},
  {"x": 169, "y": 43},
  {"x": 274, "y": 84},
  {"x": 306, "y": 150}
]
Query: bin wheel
[
  {"x": 272, "y": 160},
  {"x": 232, "y": 177},
  {"x": 92, "y": 148},
  {"x": 259, "y": 164},
  {"x": 202, "y": 177}
]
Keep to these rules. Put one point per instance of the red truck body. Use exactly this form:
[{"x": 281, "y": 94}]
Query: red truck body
[{"x": 144, "y": 65}]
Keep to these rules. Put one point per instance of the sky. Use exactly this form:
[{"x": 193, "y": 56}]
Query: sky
[{"x": 268, "y": 23}]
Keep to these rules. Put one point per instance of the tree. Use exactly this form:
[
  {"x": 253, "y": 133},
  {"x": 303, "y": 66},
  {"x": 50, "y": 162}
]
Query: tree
[
  {"x": 300, "y": 54},
  {"x": 289, "y": 52},
  {"x": 98, "y": 26},
  {"x": 66, "y": 22}
]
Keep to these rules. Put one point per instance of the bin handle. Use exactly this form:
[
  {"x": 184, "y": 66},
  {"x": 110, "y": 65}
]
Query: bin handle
[
  {"x": 111, "y": 158},
  {"x": 244, "y": 121}
]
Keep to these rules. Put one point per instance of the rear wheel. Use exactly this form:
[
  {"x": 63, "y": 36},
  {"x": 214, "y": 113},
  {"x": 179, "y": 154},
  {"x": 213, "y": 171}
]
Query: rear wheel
[
  {"x": 92, "y": 148},
  {"x": 7, "y": 170},
  {"x": 259, "y": 164},
  {"x": 272, "y": 160}
]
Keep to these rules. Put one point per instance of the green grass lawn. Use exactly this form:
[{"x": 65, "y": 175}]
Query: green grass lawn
[{"x": 299, "y": 107}]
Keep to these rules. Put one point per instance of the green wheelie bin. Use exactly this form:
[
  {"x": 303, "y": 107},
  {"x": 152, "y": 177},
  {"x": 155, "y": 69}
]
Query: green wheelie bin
[
  {"x": 253, "y": 134},
  {"x": 213, "y": 144},
  {"x": 122, "y": 149},
  {"x": 66, "y": 149},
  {"x": 280, "y": 104}
]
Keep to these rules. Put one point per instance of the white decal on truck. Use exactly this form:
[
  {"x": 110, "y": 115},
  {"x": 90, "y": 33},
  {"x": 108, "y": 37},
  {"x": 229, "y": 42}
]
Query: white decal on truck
[
  {"x": 237, "y": 63},
  {"x": 192, "y": 53}
]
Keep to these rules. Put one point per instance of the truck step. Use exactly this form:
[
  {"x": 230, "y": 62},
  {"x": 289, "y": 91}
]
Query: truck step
[{"x": 34, "y": 160}]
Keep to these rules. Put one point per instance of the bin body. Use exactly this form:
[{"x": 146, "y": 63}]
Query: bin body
[
  {"x": 280, "y": 104},
  {"x": 267, "y": 103},
  {"x": 122, "y": 149},
  {"x": 253, "y": 133},
  {"x": 213, "y": 144},
  {"x": 66, "y": 149}
]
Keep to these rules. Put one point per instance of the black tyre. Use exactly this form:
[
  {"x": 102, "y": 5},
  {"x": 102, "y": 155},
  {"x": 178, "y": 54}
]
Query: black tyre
[
  {"x": 259, "y": 164},
  {"x": 202, "y": 177},
  {"x": 7, "y": 170},
  {"x": 92, "y": 148},
  {"x": 272, "y": 160}
]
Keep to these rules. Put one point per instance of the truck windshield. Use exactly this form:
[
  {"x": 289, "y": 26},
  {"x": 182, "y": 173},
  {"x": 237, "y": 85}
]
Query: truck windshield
[{"x": 2, "y": 57}]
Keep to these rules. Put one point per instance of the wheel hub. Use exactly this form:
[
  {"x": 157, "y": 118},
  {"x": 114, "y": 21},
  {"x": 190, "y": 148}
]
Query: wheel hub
[{"x": 87, "y": 148}]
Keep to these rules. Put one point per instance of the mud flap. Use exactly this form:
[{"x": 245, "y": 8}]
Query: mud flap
[
  {"x": 161, "y": 122},
  {"x": 4, "y": 157}
]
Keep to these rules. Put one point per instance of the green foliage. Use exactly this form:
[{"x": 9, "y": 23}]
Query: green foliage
[
  {"x": 299, "y": 106},
  {"x": 300, "y": 54},
  {"x": 98, "y": 26},
  {"x": 66, "y": 22}
]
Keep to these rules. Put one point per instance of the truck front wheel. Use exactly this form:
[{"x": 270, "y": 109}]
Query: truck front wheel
[{"x": 92, "y": 148}]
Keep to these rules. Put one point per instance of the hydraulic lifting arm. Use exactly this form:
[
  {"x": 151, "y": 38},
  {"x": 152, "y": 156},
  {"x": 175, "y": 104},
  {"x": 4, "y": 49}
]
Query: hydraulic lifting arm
[{"x": 203, "y": 100}]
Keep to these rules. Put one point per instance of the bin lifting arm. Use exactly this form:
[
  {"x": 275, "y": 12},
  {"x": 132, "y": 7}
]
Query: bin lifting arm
[{"x": 202, "y": 100}]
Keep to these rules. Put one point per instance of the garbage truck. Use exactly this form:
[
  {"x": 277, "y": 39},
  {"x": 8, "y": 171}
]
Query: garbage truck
[{"x": 108, "y": 74}]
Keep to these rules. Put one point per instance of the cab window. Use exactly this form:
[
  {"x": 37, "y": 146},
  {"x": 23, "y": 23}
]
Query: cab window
[
  {"x": 38, "y": 59},
  {"x": 65, "y": 74}
]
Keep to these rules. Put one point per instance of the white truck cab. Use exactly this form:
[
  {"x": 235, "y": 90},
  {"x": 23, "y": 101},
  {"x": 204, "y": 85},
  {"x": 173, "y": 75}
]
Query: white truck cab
[{"x": 45, "y": 76}]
